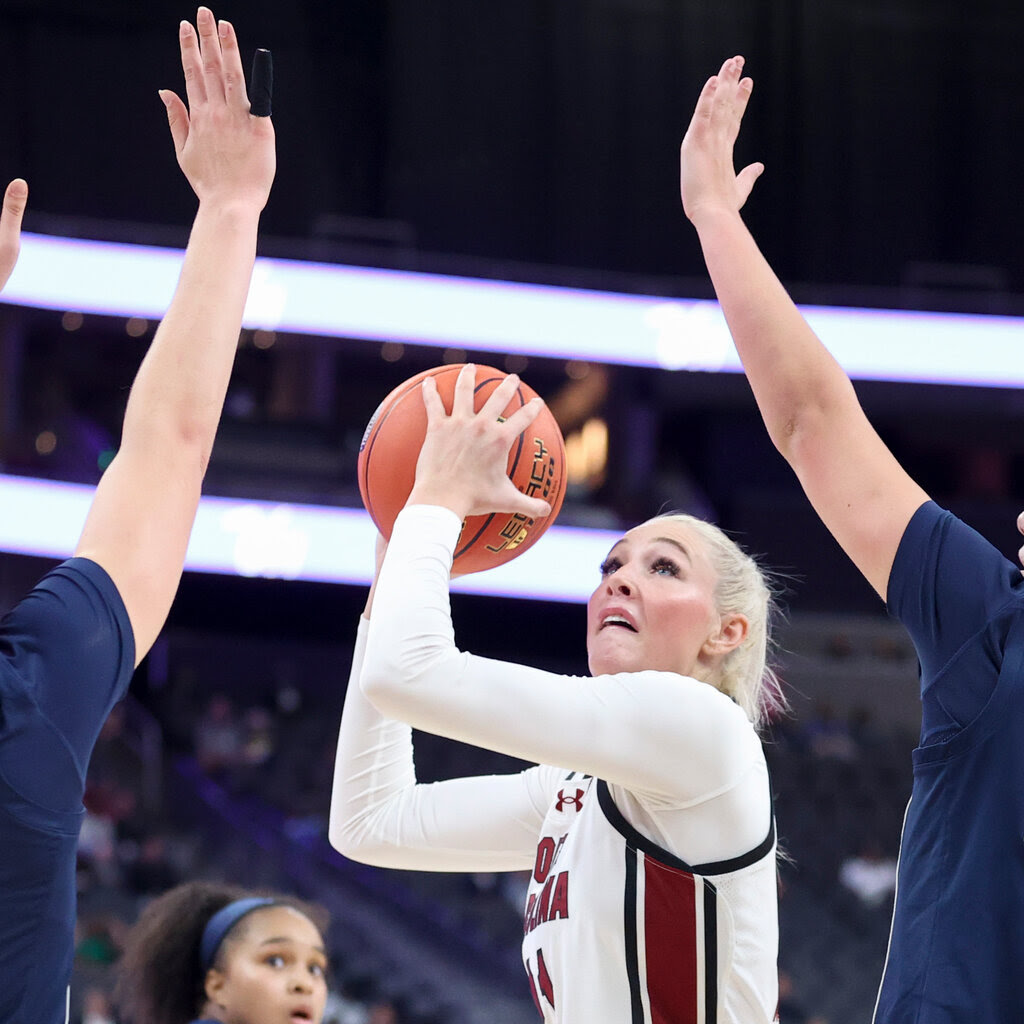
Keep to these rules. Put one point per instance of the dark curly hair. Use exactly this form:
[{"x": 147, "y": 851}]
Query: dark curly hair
[{"x": 159, "y": 978}]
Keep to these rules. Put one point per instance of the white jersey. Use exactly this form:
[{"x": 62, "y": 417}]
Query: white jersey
[
  {"x": 674, "y": 941},
  {"x": 620, "y": 929}
]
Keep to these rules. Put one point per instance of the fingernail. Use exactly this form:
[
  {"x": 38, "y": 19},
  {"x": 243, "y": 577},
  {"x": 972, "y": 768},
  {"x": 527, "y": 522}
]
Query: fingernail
[
  {"x": 224, "y": 28},
  {"x": 163, "y": 94},
  {"x": 184, "y": 29}
]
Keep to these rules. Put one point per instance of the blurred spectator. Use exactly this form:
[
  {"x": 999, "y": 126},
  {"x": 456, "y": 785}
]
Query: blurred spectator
[
  {"x": 113, "y": 761},
  {"x": 384, "y": 1012},
  {"x": 864, "y": 730},
  {"x": 870, "y": 875},
  {"x": 791, "y": 1010},
  {"x": 218, "y": 737},
  {"x": 96, "y": 1007},
  {"x": 152, "y": 871},
  {"x": 343, "y": 1010},
  {"x": 99, "y": 938},
  {"x": 97, "y": 851},
  {"x": 259, "y": 743},
  {"x": 828, "y": 736}
]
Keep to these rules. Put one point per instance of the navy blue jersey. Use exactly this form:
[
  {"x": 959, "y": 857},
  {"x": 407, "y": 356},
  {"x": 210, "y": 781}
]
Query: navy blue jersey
[
  {"x": 957, "y": 941},
  {"x": 66, "y": 657}
]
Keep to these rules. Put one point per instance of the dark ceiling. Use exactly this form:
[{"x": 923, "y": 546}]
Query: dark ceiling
[{"x": 547, "y": 132}]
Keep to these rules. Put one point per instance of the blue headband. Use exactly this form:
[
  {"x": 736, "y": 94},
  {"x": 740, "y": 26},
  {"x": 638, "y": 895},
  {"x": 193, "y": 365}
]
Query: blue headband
[{"x": 222, "y": 922}]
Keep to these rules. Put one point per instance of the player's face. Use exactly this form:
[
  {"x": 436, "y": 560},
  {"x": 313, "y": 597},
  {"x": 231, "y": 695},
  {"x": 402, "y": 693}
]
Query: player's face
[
  {"x": 275, "y": 971},
  {"x": 654, "y": 607}
]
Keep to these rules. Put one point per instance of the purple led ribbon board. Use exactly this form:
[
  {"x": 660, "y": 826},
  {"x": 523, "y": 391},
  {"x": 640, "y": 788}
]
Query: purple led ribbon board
[{"x": 294, "y": 541}]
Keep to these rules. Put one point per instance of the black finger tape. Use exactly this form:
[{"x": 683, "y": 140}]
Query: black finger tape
[{"x": 261, "y": 85}]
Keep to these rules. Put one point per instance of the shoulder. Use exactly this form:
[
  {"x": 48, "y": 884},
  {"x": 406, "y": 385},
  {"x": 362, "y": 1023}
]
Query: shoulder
[
  {"x": 676, "y": 693},
  {"x": 73, "y": 607},
  {"x": 942, "y": 558},
  {"x": 935, "y": 534},
  {"x": 694, "y": 723},
  {"x": 76, "y": 586}
]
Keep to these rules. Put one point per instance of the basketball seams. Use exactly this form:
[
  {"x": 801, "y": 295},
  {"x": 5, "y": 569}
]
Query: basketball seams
[{"x": 390, "y": 404}]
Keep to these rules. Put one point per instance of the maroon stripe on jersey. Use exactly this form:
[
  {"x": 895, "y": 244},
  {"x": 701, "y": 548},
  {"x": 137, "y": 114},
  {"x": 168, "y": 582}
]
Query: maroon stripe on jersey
[{"x": 671, "y": 943}]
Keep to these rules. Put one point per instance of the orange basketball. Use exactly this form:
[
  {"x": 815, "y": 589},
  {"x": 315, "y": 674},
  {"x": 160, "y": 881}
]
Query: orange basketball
[{"x": 391, "y": 446}]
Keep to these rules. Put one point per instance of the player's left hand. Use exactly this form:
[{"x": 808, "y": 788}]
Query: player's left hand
[
  {"x": 15, "y": 199},
  {"x": 464, "y": 458},
  {"x": 707, "y": 177},
  {"x": 226, "y": 152}
]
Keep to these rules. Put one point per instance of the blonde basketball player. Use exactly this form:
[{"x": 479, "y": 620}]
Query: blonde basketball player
[{"x": 647, "y": 819}]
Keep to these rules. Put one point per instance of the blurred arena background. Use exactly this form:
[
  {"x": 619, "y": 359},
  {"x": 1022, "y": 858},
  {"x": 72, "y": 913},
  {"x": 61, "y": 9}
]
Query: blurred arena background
[{"x": 529, "y": 142}]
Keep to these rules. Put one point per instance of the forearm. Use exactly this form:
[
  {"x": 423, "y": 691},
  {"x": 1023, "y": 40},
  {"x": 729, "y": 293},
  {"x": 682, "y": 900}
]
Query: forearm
[
  {"x": 379, "y": 815},
  {"x": 373, "y": 768},
  {"x": 176, "y": 401},
  {"x": 798, "y": 385}
]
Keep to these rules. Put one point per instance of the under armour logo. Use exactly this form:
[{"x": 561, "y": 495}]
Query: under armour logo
[{"x": 573, "y": 801}]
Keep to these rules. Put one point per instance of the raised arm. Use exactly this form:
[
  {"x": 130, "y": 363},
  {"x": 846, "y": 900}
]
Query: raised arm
[
  {"x": 381, "y": 815},
  {"x": 140, "y": 520},
  {"x": 857, "y": 487}
]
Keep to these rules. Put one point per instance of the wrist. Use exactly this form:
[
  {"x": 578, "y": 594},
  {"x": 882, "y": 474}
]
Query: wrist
[
  {"x": 710, "y": 215},
  {"x": 242, "y": 212},
  {"x": 428, "y": 494}
]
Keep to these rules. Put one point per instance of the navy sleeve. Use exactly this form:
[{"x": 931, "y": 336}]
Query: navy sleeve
[
  {"x": 957, "y": 596},
  {"x": 67, "y": 654}
]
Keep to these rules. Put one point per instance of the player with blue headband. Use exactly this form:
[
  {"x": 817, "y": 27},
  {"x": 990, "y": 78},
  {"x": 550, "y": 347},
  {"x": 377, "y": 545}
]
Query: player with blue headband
[{"x": 208, "y": 953}]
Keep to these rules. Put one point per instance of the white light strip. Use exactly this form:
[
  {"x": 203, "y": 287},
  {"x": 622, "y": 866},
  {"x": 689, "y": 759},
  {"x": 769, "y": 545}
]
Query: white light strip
[
  {"x": 295, "y": 542},
  {"x": 494, "y": 316}
]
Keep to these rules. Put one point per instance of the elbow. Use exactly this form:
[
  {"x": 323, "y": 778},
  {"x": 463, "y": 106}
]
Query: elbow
[
  {"x": 353, "y": 841},
  {"x": 807, "y": 414},
  {"x": 181, "y": 448},
  {"x": 398, "y": 679},
  {"x": 381, "y": 686},
  {"x": 195, "y": 439},
  {"x": 360, "y": 838},
  {"x": 785, "y": 435},
  {"x": 344, "y": 840},
  {"x": 805, "y": 427}
]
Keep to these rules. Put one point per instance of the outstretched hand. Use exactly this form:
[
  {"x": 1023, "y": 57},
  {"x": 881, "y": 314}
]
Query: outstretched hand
[
  {"x": 15, "y": 199},
  {"x": 226, "y": 152},
  {"x": 464, "y": 459},
  {"x": 707, "y": 176}
]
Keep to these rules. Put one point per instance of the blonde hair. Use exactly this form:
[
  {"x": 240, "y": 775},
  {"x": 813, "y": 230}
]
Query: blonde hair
[{"x": 743, "y": 588}]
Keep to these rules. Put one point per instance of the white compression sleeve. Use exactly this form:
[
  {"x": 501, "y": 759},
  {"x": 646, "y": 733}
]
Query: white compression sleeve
[{"x": 380, "y": 815}]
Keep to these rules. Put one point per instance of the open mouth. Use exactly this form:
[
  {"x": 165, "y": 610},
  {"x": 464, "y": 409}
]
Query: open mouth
[{"x": 617, "y": 621}]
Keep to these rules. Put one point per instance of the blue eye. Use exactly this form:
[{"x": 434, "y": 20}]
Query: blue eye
[
  {"x": 664, "y": 567},
  {"x": 318, "y": 970},
  {"x": 275, "y": 960},
  {"x": 609, "y": 565}
]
